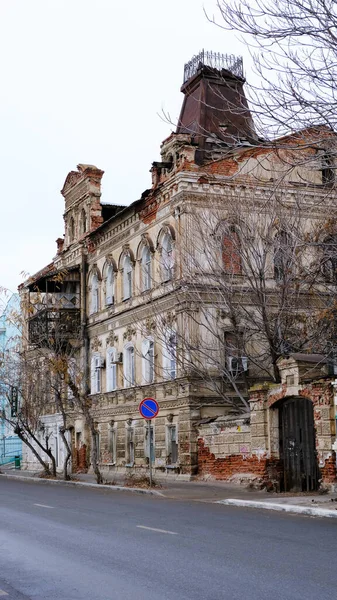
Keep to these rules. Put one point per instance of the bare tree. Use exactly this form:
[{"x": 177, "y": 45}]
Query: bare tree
[{"x": 293, "y": 44}]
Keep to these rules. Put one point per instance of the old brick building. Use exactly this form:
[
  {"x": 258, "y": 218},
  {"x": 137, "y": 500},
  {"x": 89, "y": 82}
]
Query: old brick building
[{"x": 128, "y": 283}]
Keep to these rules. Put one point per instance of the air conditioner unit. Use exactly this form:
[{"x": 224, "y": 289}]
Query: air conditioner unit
[
  {"x": 237, "y": 364},
  {"x": 101, "y": 362},
  {"x": 118, "y": 358}
]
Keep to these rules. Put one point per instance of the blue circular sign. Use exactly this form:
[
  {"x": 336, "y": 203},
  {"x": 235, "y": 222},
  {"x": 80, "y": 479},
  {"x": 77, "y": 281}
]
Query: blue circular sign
[{"x": 149, "y": 408}]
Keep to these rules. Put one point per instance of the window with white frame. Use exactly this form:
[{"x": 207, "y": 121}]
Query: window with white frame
[
  {"x": 110, "y": 280},
  {"x": 148, "y": 360},
  {"x": 146, "y": 269},
  {"x": 94, "y": 305},
  {"x": 111, "y": 369},
  {"x": 96, "y": 365},
  {"x": 170, "y": 355},
  {"x": 167, "y": 258},
  {"x": 127, "y": 277},
  {"x": 129, "y": 366}
]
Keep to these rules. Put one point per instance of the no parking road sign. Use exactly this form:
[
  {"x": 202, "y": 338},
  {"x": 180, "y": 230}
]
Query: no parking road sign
[{"x": 149, "y": 408}]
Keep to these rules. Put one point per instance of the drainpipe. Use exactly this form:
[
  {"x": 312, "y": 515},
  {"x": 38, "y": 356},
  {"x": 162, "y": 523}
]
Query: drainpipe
[{"x": 84, "y": 334}]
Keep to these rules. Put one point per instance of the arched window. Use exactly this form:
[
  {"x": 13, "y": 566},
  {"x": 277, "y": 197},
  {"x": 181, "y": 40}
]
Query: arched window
[
  {"x": 330, "y": 259},
  {"x": 231, "y": 252},
  {"x": 110, "y": 284},
  {"x": 83, "y": 221},
  {"x": 146, "y": 269},
  {"x": 129, "y": 366},
  {"x": 127, "y": 277},
  {"x": 71, "y": 229},
  {"x": 167, "y": 258},
  {"x": 170, "y": 355},
  {"x": 148, "y": 360},
  {"x": 111, "y": 369},
  {"x": 96, "y": 365},
  {"x": 94, "y": 305},
  {"x": 282, "y": 256}
]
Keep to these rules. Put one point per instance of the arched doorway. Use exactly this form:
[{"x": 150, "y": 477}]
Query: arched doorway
[{"x": 297, "y": 446}]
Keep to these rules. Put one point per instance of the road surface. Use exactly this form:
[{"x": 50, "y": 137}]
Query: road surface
[{"x": 68, "y": 543}]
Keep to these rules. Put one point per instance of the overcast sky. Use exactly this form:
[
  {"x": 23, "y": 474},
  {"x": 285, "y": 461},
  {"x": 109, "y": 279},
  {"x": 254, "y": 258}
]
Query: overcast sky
[{"x": 85, "y": 81}]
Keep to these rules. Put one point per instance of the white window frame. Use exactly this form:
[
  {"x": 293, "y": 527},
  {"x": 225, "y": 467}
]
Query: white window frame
[
  {"x": 167, "y": 257},
  {"x": 129, "y": 365},
  {"x": 110, "y": 285},
  {"x": 170, "y": 355},
  {"x": 127, "y": 277},
  {"x": 146, "y": 269},
  {"x": 94, "y": 296},
  {"x": 96, "y": 379},
  {"x": 111, "y": 370},
  {"x": 148, "y": 360}
]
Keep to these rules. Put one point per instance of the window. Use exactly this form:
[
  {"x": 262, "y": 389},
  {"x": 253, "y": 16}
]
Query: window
[
  {"x": 129, "y": 366},
  {"x": 96, "y": 365},
  {"x": 170, "y": 355},
  {"x": 172, "y": 445},
  {"x": 110, "y": 280},
  {"x": 146, "y": 269},
  {"x": 236, "y": 363},
  {"x": 98, "y": 444},
  {"x": 231, "y": 254},
  {"x": 111, "y": 370},
  {"x": 112, "y": 441},
  {"x": 94, "y": 294},
  {"x": 167, "y": 258},
  {"x": 330, "y": 259},
  {"x": 127, "y": 278},
  {"x": 83, "y": 222},
  {"x": 130, "y": 446},
  {"x": 149, "y": 442},
  {"x": 71, "y": 229},
  {"x": 282, "y": 256},
  {"x": 328, "y": 169},
  {"x": 148, "y": 360}
]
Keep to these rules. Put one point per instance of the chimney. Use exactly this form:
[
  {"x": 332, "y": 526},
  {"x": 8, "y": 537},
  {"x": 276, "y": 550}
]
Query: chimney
[{"x": 215, "y": 109}]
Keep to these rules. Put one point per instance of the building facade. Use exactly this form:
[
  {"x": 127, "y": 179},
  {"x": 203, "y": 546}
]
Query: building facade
[
  {"x": 132, "y": 283},
  {"x": 10, "y": 444}
]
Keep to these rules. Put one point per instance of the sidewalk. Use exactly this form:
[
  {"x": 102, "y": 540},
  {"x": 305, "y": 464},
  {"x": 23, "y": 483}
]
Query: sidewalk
[{"x": 214, "y": 492}]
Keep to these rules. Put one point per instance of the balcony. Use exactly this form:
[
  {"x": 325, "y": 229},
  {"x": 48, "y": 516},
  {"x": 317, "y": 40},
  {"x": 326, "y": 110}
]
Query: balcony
[
  {"x": 54, "y": 327},
  {"x": 54, "y": 311}
]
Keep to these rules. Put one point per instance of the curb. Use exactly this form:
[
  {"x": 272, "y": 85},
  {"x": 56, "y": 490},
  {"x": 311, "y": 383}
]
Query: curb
[
  {"x": 110, "y": 488},
  {"x": 289, "y": 508}
]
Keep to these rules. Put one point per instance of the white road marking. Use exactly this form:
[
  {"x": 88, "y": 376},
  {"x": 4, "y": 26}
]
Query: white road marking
[
  {"x": 158, "y": 530},
  {"x": 44, "y": 505},
  {"x": 2, "y": 593}
]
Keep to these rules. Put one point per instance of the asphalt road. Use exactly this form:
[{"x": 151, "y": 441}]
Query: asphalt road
[{"x": 64, "y": 543}]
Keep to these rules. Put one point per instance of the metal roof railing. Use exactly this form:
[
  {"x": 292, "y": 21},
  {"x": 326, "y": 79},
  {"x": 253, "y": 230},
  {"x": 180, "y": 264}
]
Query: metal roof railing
[{"x": 230, "y": 62}]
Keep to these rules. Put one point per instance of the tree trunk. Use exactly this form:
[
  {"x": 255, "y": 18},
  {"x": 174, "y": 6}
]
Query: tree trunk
[
  {"x": 36, "y": 454},
  {"x": 66, "y": 475},
  {"x": 94, "y": 456}
]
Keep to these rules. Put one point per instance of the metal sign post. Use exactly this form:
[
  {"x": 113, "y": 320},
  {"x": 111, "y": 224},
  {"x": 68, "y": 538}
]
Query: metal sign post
[
  {"x": 149, "y": 409},
  {"x": 150, "y": 451}
]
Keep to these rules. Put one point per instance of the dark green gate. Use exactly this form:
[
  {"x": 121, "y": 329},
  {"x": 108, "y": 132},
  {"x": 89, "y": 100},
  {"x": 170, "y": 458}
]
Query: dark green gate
[{"x": 297, "y": 446}]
